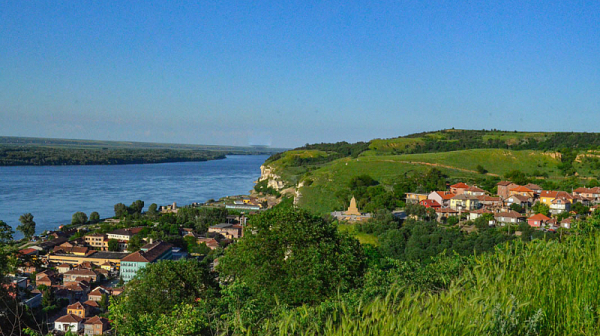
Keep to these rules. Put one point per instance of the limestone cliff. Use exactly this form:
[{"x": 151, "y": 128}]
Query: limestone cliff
[{"x": 273, "y": 180}]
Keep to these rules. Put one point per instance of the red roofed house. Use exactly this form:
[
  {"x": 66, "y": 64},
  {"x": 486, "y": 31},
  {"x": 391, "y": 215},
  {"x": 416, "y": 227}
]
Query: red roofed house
[
  {"x": 68, "y": 322},
  {"x": 521, "y": 191},
  {"x": 96, "y": 326},
  {"x": 441, "y": 197},
  {"x": 77, "y": 309},
  {"x": 459, "y": 188},
  {"x": 538, "y": 220},
  {"x": 29, "y": 252},
  {"x": 430, "y": 204}
]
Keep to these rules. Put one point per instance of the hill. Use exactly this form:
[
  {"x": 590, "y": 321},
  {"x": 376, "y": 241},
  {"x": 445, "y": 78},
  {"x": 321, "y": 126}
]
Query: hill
[{"x": 319, "y": 174}]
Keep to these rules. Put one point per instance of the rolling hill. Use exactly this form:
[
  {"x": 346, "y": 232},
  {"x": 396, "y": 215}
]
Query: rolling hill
[{"x": 315, "y": 174}]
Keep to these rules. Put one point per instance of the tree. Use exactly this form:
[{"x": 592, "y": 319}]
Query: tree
[
  {"x": 541, "y": 208},
  {"x": 157, "y": 289},
  {"x": 152, "y": 211},
  {"x": 104, "y": 302},
  {"x": 113, "y": 245},
  {"x": 516, "y": 207},
  {"x": 135, "y": 243},
  {"x": 301, "y": 263},
  {"x": 120, "y": 210},
  {"x": 79, "y": 218},
  {"x": 453, "y": 220},
  {"x": 94, "y": 217},
  {"x": 48, "y": 299},
  {"x": 481, "y": 170},
  {"x": 6, "y": 233},
  {"x": 27, "y": 226},
  {"x": 136, "y": 207}
]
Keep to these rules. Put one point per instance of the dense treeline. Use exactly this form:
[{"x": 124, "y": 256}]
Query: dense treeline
[
  {"x": 336, "y": 151},
  {"x": 46, "y": 156},
  {"x": 453, "y": 140}
]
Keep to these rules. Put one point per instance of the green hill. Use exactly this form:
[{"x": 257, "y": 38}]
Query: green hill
[{"x": 321, "y": 172}]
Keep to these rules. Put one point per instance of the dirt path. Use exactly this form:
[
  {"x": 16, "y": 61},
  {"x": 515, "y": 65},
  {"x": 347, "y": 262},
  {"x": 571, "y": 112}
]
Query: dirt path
[{"x": 438, "y": 165}]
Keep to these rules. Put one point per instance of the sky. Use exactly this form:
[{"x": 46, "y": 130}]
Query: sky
[{"x": 286, "y": 73}]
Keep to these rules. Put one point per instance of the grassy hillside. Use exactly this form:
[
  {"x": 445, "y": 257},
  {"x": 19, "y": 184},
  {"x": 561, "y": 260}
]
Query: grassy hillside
[{"x": 326, "y": 169}]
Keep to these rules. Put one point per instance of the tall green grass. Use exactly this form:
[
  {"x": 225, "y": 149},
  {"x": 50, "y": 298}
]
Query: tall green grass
[{"x": 539, "y": 288}]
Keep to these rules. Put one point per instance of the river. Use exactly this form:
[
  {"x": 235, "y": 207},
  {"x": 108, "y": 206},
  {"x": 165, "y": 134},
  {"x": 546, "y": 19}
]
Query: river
[{"x": 53, "y": 193}]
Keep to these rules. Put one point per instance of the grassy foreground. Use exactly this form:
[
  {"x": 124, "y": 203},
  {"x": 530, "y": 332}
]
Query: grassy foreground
[{"x": 539, "y": 288}]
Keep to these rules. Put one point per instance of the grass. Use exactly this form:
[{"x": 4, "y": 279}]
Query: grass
[
  {"x": 363, "y": 238},
  {"x": 539, "y": 288}
]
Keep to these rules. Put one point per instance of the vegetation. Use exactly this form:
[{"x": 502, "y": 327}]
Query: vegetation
[{"x": 27, "y": 226}]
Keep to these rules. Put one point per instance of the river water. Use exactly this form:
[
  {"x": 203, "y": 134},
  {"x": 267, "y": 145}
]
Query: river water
[{"x": 53, "y": 193}]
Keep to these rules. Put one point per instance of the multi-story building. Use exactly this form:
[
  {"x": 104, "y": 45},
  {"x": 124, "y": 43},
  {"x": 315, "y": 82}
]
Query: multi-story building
[
  {"x": 96, "y": 240},
  {"x": 149, "y": 253}
]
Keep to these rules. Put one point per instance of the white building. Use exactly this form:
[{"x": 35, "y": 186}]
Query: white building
[{"x": 69, "y": 322}]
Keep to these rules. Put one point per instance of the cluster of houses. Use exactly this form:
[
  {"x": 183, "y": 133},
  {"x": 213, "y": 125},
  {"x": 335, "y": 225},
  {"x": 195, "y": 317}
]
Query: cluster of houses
[
  {"x": 475, "y": 202},
  {"x": 75, "y": 269}
]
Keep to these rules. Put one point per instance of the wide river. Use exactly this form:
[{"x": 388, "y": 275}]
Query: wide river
[{"x": 53, "y": 193}]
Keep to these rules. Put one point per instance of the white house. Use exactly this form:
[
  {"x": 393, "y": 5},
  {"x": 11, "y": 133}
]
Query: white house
[{"x": 69, "y": 322}]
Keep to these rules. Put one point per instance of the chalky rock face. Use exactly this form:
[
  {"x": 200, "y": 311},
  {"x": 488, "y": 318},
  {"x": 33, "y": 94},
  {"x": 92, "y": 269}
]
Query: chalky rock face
[{"x": 273, "y": 180}]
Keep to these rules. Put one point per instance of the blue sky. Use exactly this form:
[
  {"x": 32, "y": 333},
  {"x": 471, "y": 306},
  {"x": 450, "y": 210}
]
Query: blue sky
[{"x": 285, "y": 73}]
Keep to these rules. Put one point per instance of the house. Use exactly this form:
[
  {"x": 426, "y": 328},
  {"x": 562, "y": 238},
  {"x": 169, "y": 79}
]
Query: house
[
  {"x": 504, "y": 187},
  {"x": 521, "y": 191},
  {"x": 415, "y": 198},
  {"x": 538, "y": 220},
  {"x": 508, "y": 217},
  {"x": 582, "y": 199},
  {"x": 147, "y": 254},
  {"x": 474, "y": 191},
  {"x": 535, "y": 188},
  {"x": 430, "y": 204},
  {"x": 91, "y": 306},
  {"x": 77, "y": 309},
  {"x": 442, "y": 197},
  {"x": 210, "y": 242},
  {"x": 473, "y": 215},
  {"x": 462, "y": 202},
  {"x": 107, "y": 266},
  {"x": 68, "y": 322},
  {"x": 458, "y": 188},
  {"x": 76, "y": 250},
  {"x": 79, "y": 274},
  {"x": 27, "y": 268},
  {"x": 590, "y": 193},
  {"x": 566, "y": 223},
  {"x": 522, "y": 201},
  {"x": 124, "y": 234},
  {"x": 445, "y": 213},
  {"x": 96, "y": 326},
  {"x": 47, "y": 273},
  {"x": 96, "y": 294},
  {"x": 230, "y": 231},
  {"x": 30, "y": 252},
  {"x": 547, "y": 196},
  {"x": 560, "y": 205},
  {"x": 46, "y": 281},
  {"x": 490, "y": 202},
  {"x": 63, "y": 268}
]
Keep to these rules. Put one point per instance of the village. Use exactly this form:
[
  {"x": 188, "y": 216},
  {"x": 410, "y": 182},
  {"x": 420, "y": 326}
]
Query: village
[{"x": 74, "y": 271}]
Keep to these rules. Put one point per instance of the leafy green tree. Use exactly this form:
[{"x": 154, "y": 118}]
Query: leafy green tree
[
  {"x": 517, "y": 176},
  {"x": 481, "y": 170},
  {"x": 303, "y": 262},
  {"x": 120, "y": 210},
  {"x": 79, "y": 218},
  {"x": 48, "y": 299},
  {"x": 580, "y": 209},
  {"x": 159, "y": 288},
  {"x": 541, "y": 208},
  {"x": 104, "y": 302},
  {"x": 453, "y": 220},
  {"x": 135, "y": 243},
  {"x": 516, "y": 207},
  {"x": 113, "y": 245},
  {"x": 6, "y": 233},
  {"x": 94, "y": 217},
  {"x": 136, "y": 207},
  {"x": 152, "y": 211},
  {"x": 27, "y": 226}
]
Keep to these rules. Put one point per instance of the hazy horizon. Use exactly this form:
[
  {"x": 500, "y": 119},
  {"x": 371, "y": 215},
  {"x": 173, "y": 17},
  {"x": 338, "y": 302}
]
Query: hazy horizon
[{"x": 301, "y": 72}]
